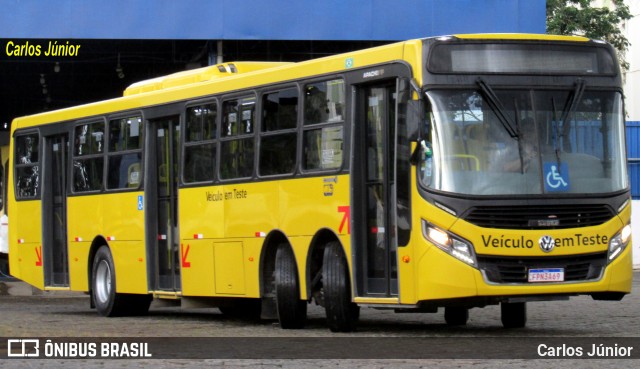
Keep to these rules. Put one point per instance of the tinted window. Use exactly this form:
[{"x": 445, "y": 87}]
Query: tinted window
[
  {"x": 27, "y": 168},
  {"x": 278, "y": 154},
  {"x": 124, "y": 163},
  {"x": 199, "y": 162},
  {"x": 88, "y": 162},
  {"x": 201, "y": 123},
  {"x": 323, "y": 148},
  {"x": 323, "y": 121},
  {"x": 125, "y": 134},
  {"x": 236, "y": 158},
  {"x": 280, "y": 110},
  {"x": 324, "y": 102},
  {"x": 238, "y": 116}
]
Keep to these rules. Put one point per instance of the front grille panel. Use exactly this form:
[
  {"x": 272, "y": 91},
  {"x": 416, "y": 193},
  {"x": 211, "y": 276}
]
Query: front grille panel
[
  {"x": 539, "y": 217},
  {"x": 515, "y": 270}
]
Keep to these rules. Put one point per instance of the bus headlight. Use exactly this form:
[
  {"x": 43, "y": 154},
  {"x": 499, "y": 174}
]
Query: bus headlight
[
  {"x": 449, "y": 243},
  {"x": 619, "y": 242}
]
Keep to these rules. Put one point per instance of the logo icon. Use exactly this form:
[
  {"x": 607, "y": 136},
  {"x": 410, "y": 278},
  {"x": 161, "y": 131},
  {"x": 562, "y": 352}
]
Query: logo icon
[
  {"x": 348, "y": 63},
  {"x": 547, "y": 243},
  {"x": 23, "y": 348}
]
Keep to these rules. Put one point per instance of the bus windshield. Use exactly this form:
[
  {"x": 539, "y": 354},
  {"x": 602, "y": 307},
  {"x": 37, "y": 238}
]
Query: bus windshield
[{"x": 525, "y": 142}]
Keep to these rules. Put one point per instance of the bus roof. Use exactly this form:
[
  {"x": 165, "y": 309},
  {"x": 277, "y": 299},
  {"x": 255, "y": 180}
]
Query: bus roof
[
  {"x": 198, "y": 75},
  {"x": 211, "y": 80},
  {"x": 522, "y": 36},
  {"x": 234, "y": 76}
]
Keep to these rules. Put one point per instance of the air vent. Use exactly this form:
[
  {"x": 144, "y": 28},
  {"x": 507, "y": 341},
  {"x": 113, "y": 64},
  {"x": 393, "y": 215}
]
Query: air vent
[
  {"x": 515, "y": 270},
  {"x": 539, "y": 217}
]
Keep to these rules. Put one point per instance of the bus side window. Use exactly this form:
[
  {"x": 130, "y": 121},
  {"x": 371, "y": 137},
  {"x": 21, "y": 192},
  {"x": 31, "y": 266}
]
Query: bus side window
[
  {"x": 88, "y": 161},
  {"x": 237, "y": 154},
  {"x": 323, "y": 121},
  {"x": 200, "y": 149},
  {"x": 125, "y": 153},
  {"x": 279, "y": 141},
  {"x": 27, "y": 168}
]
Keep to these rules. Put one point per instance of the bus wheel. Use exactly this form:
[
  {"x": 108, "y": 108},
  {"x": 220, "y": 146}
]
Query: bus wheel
[
  {"x": 456, "y": 315},
  {"x": 342, "y": 314},
  {"x": 513, "y": 315},
  {"x": 107, "y": 301},
  {"x": 292, "y": 312},
  {"x": 104, "y": 283}
]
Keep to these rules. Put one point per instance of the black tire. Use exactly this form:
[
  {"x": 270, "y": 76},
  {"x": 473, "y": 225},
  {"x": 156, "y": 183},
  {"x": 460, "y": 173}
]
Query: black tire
[
  {"x": 342, "y": 314},
  {"x": 292, "y": 311},
  {"x": 455, "y": 316},
  {"x": 103, "y": 289},
  {"x": 513, "y": 315}
]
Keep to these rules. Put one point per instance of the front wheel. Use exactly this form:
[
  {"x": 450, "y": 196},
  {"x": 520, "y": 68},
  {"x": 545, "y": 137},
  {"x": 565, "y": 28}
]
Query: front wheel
[
  {"x": 342, "y": 314},
  {"x": 107, "y": 301},
  {"x": 513, "y": 315}
]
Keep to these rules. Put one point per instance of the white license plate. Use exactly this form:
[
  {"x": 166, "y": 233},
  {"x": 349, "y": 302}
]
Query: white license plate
[{"x": 546, "y": 275}]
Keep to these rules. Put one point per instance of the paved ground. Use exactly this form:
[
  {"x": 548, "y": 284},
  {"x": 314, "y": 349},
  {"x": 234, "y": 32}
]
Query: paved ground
[{"x": 23, "y": 314}]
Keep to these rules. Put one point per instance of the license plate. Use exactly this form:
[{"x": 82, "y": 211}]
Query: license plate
[{"x": 546, "y": 275}]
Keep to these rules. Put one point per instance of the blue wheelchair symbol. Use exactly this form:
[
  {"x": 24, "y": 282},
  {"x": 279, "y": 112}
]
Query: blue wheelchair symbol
[{"x": 556, "y": 177}]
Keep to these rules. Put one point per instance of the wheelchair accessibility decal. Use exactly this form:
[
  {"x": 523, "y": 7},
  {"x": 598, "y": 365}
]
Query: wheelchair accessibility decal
[{"x": 556, "y": 177}]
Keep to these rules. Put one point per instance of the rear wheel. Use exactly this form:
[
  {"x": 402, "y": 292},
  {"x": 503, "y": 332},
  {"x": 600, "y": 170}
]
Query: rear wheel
[
  {"x": 456, "y": 315},
  {"x": 342, "y": 314},
  {"x": 292, "y": 312},
  {"x": 513, "y": 315},
  {"x": 107, "y": 301}
]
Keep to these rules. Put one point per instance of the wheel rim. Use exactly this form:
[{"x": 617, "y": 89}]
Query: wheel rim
[{"x": 103, "y": 281}]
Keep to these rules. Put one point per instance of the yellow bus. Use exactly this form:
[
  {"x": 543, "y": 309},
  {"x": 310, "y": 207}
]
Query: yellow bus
[
  {"x": 4, "y": 220},
  {"x": 453, "y": 172}
]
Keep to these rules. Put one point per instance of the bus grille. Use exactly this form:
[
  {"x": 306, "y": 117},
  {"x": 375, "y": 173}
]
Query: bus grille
[
  {"x": 515, "y": 270},
  {"x": 539, "y": 217}
]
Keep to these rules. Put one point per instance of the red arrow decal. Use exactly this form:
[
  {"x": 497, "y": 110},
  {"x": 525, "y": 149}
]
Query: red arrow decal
[
  {"x": 39, "y": 256},
  {"x": 183, "y": 255},
  {"x": 345, "y": 219}
]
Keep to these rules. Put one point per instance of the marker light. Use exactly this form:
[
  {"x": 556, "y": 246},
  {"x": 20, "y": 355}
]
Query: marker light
[
  {"x": 619, "y": 242},
  {"x": 449, "y": 243}
]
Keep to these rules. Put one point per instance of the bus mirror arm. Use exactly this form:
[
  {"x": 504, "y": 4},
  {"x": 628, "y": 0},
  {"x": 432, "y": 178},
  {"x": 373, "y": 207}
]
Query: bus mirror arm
[{"x": 415, "y": 120}]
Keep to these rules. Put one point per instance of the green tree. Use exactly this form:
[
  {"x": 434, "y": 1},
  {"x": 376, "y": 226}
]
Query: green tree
[{"x": 579, "y": 17}]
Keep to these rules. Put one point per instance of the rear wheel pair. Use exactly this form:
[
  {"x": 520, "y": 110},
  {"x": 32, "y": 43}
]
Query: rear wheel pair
[{"x": 342, "y": 314}]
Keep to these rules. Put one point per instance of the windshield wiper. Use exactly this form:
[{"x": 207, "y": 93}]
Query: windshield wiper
[
  {"x": 570, "y": 108},
  {"x": 572, "y": 101},
  {"x": 497, "y": 107}
]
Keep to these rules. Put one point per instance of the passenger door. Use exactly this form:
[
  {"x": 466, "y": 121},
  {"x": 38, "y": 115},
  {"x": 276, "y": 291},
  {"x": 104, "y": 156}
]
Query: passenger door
[
  {"x": 54, "y": 208},
  {"x": 374, "y": 190},
  {"x": 162, "y": 195}
]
